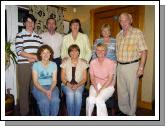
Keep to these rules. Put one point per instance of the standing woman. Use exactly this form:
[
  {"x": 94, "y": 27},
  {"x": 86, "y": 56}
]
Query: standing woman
[
  {"x": 108, "y": 41},
  {"x": 44, "y": 73},
  {"x": 76, "y": 36},
  {"x": 73, "y": 76},
  {"x": 27, "y": 44}
]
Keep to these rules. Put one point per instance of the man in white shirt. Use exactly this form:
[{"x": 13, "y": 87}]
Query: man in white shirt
[{"x": 54, "y": 40}]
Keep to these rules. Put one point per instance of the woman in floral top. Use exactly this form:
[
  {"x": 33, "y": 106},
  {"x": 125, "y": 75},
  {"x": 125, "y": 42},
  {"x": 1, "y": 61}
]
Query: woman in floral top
[{"x": 108, "y": 40}]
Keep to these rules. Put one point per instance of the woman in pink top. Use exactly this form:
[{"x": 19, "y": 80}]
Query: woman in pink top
[{"x": 102, "y": 73}]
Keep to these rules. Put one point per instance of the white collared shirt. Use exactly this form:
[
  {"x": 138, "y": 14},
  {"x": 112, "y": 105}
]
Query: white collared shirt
[{"x": 54, "y": 41}]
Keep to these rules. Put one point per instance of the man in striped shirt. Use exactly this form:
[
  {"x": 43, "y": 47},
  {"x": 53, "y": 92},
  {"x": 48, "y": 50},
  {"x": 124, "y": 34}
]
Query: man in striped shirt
[
  {"x": 27, "y": 44},
  {"x": 131, "y": 51}
]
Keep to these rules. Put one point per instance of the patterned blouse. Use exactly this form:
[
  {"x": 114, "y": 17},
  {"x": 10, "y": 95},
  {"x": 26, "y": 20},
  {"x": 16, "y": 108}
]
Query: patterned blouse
[{"x": 111, "y": 49}]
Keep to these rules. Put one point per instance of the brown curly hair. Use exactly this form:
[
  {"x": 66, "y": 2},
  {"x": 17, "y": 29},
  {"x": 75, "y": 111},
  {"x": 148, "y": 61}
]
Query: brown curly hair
[{"x": 41, "y": 49}]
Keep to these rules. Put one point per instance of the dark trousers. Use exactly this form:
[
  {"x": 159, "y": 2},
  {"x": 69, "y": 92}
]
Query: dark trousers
[
  {"x": 58, "y": 63},
  {"x": 24, "y": 73}
]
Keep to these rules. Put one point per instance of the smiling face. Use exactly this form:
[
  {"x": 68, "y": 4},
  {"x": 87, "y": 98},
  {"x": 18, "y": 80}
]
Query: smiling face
[
  {"x": 45, "y": 55},
  {"x": 75, "y": 27},
  {"x": 100, "y": 51},
  {"x": 125, "y": 21},
  {"x": 29, "y": 24},
  {"x": 74, "y": 53},
  {"x": 106, "y": 32},
  {"x": 51, "y": 25}
]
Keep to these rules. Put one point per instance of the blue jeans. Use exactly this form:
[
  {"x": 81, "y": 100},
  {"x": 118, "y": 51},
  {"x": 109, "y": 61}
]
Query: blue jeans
[
  {"x": 46, "y": 107},
  {"x": 58, "y": 63},
  {"x": 73, "y": 100}
]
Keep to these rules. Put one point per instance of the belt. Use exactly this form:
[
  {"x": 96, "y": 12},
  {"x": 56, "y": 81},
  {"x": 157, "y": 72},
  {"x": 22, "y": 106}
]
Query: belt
[{"x": 134, "y": 61}]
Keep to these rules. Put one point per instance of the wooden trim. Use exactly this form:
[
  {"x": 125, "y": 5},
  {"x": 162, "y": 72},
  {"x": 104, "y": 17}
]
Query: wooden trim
[
  {"x": 141, "y": 17},
  {"x": 145, "y": 104},
  {"x": 91, "y": 27},
  {"x": 107, "y": 8},
  {"x": 139, "y": 92}
]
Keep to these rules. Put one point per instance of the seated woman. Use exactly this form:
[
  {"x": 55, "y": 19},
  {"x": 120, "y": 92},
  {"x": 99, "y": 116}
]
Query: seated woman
[
  {"x": 44, "y": 73},
  {"x": 102, "y": 72},
  {"x": 74, "y": 76}
]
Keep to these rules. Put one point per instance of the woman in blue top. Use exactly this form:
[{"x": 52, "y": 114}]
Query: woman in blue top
[
  {"x": 108, "y": 40},
  {"x": 44, "y": 73}
]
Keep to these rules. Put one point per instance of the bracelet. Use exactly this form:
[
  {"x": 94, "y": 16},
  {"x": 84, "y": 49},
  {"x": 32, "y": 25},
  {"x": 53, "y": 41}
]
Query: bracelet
[{"x": 66, "y": 82}]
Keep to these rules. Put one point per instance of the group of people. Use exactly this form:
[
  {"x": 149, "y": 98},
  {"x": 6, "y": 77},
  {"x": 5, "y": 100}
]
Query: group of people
[{"x": 49, "y": 64}]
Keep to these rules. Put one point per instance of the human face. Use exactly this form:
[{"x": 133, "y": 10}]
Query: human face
[
  {"x": 45, "y": 55},
  {"x": 29, "y": 25},
  {"x": 125, "y": 22},
  {"x": 74, "y": 54},
  {"x": 75, "y": 27},
  {"x": 51, "y": 25},
  {"x": 106, "y": 32},
  {"x": 100, "y": 52}
]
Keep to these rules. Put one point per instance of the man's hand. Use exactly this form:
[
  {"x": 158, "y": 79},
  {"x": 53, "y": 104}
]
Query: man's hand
[{"x": 140, "y": 71}]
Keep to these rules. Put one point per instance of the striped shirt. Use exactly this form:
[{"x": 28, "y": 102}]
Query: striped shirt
[
  {"x": 28, "y": 43},
  {"x": 128, "y": 47}
]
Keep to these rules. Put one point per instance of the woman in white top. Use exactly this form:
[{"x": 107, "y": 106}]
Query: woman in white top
[{"x": 73, "y": 76}]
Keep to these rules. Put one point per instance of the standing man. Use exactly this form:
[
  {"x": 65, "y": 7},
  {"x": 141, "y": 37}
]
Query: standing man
[
  {"x": 131, "y": 51},
  {"x": 27, "y": 44},
  {"x": 54, "y": 40}
]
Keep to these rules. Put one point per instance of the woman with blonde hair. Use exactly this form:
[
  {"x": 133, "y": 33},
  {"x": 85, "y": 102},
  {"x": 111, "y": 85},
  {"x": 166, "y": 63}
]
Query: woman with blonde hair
[
  {"x": 102, "y": 73},
  {"x": 107, "y": 40}
]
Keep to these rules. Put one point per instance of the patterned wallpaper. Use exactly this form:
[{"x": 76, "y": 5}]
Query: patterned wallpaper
[{"x": 42, "y": 12}]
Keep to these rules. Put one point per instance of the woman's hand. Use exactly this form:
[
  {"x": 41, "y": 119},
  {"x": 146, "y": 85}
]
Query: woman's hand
[
  {"x": 69, "y": 85},
  {"x": 64, "y": 59},
  {"x": 74, "y": 86},
  {"x": 31, "y": 60},
  {"x": 48, "y": 93}
]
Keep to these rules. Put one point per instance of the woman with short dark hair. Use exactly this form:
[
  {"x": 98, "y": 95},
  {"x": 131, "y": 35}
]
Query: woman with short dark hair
[
  {"x": 27, "y": 44},
  {"x": 76, "y": 36},
  {"x": 73, "y": 76}
]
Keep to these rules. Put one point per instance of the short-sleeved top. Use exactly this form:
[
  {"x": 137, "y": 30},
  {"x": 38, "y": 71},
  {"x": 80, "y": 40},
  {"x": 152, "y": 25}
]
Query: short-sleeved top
[
  {"x": 27, "y": 42},
  {"x": 83, "y": 43},
  {"x": 81, "y": 66},
  {"x": 128, "y": 47},
  {"x": 54, "y": 41},
  {"x": 111, "y": 48},
  {"x": 45, "y": 75},
  {"x": 101, "y": 72}
]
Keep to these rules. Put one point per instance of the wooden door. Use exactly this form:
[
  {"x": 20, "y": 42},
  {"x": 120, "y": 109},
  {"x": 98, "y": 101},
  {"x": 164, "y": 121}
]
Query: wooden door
[{"x": 110, "y": 15}]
